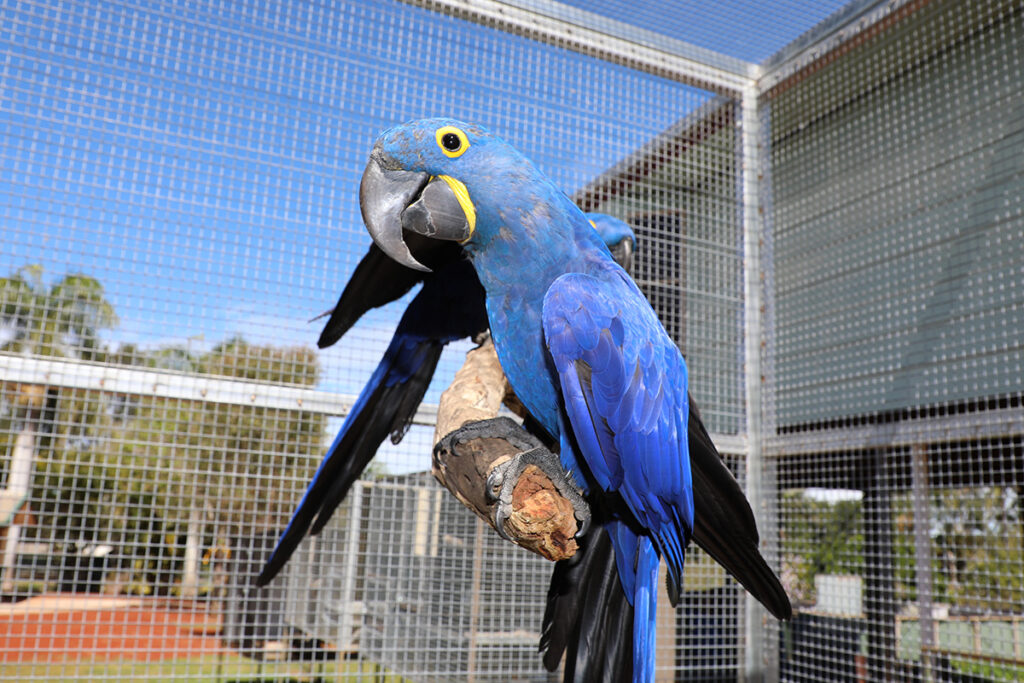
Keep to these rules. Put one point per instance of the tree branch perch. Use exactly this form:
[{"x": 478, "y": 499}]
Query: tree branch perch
[{"x": 470, "y": 443}]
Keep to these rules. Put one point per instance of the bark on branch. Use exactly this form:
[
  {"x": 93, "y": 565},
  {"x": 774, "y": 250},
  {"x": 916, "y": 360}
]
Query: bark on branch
[{"x": 542, "y": 519}]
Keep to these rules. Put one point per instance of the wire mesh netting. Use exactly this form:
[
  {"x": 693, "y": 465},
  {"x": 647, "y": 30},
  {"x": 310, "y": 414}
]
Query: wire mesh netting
[
  {"x": 827, "y": 199},
  {"x": 896, "y": 332}
]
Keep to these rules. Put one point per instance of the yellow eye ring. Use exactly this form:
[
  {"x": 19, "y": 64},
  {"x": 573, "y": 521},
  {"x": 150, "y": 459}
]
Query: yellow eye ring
[{"x": 452, "y": 141}]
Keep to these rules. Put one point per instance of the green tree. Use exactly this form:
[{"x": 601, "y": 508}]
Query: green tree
[
  {"x": 63, "y": 319},
  {"x": 819, "y": 537},
  {"x": 134, "y": 470},
  {"x": 142, "y": 472},
  {"x": 976, "y": 542},
  {"x": 246, "y": 452},
  {"x": 977, "y": 548}
]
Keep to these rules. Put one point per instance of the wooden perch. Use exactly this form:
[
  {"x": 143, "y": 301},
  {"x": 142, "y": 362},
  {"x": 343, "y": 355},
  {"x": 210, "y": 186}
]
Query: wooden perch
[
  {"x": 476, "y": 393},
  {"x": 542, "y": 519}
]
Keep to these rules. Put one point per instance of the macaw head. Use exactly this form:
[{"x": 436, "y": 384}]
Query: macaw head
[
  {"x": 618, "y": 236},
  {"x": 432, "y": 177}
]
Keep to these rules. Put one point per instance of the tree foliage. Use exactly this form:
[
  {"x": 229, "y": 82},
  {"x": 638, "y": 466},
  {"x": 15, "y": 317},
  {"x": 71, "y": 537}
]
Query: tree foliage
[
  {"x": 975, "y": 539},
  {"x": 820, "y": 537},
  {"x": 63, "y": 319},
  {"x": 129, "y": 469},
  {"x": 976, "y": 536}
]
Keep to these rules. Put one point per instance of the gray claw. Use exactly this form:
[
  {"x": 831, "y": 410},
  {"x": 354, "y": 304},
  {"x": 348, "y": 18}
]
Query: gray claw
[
  {"x": 584, "y": 520},
  {"x": 502, "y": 481}
]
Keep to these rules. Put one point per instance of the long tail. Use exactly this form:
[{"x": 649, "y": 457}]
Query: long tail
[
  {"x": 386, "y": 405},
  {"x": 588, "y": 616},
  {"x": 637, "y": 562},
  {"x": 645, "y": 605},
  {"x": 724, "y": 525}
]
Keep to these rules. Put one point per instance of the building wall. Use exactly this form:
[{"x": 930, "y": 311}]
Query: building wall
[{"x": 896, "y": 223}]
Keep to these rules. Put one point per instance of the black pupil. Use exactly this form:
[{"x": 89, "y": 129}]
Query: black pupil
[{"x": 451, "y": 141}]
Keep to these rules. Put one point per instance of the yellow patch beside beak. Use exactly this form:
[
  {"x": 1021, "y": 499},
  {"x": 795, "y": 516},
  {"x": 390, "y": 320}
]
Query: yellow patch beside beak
[{"x": 462, "y": 194}]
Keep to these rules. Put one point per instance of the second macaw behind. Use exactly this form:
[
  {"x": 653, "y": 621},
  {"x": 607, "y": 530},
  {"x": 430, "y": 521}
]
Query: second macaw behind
[{"x": 580, "y": 345}]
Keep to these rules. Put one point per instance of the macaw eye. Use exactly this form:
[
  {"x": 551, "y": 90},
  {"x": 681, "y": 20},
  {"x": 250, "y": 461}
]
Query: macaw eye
[{"x": 452, "y": 141}]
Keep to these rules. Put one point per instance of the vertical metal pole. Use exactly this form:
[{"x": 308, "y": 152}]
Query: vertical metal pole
[
  {"x": 923, "y": 556},
  {"x": 753, "y": 327},
  {"x": 879, "y": 559},
  {"x": 474, "y": 603},
  {"x": 193, "y": 539},
  {"x": 19, "y": 479},
  {"x": 349, "y": 617}
]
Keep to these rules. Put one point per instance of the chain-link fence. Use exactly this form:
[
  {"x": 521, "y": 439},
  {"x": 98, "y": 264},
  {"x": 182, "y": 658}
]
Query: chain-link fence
[{"x": 828, "y": 202}]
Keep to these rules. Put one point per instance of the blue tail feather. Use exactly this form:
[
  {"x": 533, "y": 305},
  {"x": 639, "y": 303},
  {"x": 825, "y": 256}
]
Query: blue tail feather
[
  {"x": 637, "y": 561},
  {"x": 645, "y": 603}
]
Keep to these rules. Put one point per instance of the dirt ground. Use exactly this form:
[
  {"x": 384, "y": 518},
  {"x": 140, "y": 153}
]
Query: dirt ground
[{"x": 70, "y": 626}]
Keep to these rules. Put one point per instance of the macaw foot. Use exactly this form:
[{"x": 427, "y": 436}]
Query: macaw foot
[
  {"x": 504, "y": 474},
  {"x": 504, "y": 428},
  {"x": 507, "y": 478}
]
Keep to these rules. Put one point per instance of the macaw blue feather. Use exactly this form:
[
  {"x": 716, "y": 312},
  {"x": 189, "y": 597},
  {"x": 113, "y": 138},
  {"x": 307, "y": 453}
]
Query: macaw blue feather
[
  {"x": 620, "y": 446},
  {"x": 582, "y": 349},
  {"x": 655, "y": 479},
  {"x": 645, "y": 601}
]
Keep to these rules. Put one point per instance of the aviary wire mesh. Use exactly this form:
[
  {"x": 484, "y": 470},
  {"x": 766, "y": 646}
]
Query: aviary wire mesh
[
  {"x": 828, "y": 200},
  {"x": 895, "y": 347}
]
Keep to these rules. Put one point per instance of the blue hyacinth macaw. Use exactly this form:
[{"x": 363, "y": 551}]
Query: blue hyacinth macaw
[
  {"x": 449, "y": 306},
  {"x": 581, "y": 347},
  {"x": 588, "y": 616}
]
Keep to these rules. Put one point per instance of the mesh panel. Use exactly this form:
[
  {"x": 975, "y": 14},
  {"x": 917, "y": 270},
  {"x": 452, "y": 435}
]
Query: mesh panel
[
  {"x": 934, "y": 217},
  {"x": 895, "y": 350},
  {"x": 179, "y": 198}
]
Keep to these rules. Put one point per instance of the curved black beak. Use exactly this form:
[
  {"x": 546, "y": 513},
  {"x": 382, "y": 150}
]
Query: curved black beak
[
  {"x": 383, "y": 195},
  {"x": 393, "y": 199},
  {"x": 623, "y": 255}
]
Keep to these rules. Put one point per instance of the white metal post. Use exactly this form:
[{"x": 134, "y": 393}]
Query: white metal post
[
  {"x": 753, "y": 665},
  {"x": 19, "y": 479}
]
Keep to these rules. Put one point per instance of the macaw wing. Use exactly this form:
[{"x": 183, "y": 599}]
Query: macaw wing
[
  {"x": 624, "y": 386},
  {"x": 379, "y": 280},
  {"x": 724, "y": 524},
  {"x": 450, "y": 306}
]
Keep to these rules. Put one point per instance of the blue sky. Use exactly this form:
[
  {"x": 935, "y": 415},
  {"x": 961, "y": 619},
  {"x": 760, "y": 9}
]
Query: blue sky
[
  {"x": 748, "y": 30},
  {"x": 202, "y": 160}
]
